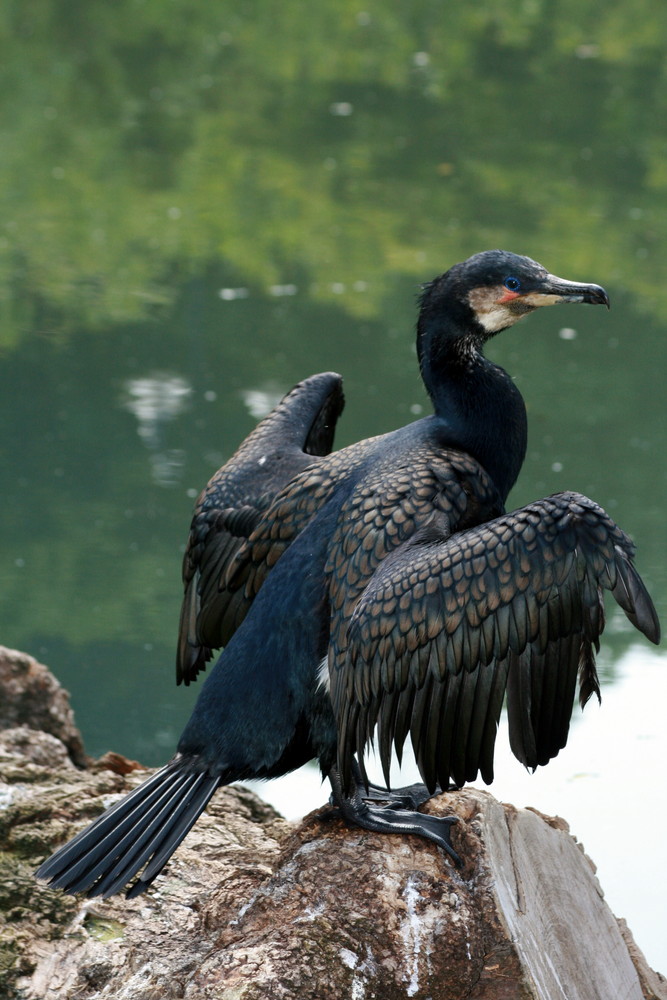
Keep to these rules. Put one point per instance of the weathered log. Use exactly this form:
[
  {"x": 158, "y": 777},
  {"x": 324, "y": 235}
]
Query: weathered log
[{"x": 254, "y": 907}]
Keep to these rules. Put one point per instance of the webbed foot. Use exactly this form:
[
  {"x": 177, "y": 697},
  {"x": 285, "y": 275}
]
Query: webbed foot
[
  {"x": 408, "y": 797},
  {"x": 360, "y": 809}
]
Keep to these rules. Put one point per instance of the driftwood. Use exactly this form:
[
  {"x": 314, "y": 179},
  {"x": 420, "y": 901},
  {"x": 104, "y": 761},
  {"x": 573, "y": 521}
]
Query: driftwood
[{"x": 254, "y": 907}]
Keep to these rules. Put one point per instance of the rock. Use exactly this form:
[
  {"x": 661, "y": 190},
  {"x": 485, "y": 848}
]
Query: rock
[
  {"x": 252, "y": 907},
  {"x": 31, "y": 696}
]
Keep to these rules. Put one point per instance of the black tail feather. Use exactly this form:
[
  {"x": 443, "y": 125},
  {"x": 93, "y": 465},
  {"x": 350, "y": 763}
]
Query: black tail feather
[
  {"x": 67, "y": 856},
  {"x": 138, "y": 844},
  {"x": 144, "y": 828},
  {"x": 190, "y": 810},
  {"x": 120, "y": 843}
]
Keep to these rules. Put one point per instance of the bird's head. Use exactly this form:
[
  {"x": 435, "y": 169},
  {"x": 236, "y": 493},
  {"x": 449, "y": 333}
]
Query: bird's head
[{"x": 493, "y": 289}]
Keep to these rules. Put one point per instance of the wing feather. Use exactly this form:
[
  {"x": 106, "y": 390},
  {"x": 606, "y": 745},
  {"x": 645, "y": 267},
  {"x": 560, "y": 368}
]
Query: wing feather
[
  {"x": 513, "y": 605},
  {"x": 298, "y": 431}
]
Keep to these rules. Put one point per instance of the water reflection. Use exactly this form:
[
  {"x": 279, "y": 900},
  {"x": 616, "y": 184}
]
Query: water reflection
[
  {"x": 259, "y": 402},
  {"x": 154, "y": 400}
]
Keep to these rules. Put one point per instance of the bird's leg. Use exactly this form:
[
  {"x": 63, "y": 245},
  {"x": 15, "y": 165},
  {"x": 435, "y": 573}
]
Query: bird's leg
[
  {"x": 356, "y": 808},
  {"x": 408, "y": 797}
]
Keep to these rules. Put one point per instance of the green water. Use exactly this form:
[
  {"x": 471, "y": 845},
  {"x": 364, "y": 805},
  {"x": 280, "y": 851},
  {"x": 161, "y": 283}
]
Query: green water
[{"x": 203, "y": 203}]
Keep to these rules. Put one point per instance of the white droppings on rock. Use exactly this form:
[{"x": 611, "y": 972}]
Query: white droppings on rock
[
  {"x": 6, "y": 796},
  {"x": 411, "y": 933},
  {"x": 364, "y": 971},
  {"x": 244, "y": 909},
  {"x": 111, "y": 799},
  {"x": 348, "y": 958},
  {"x": 310, "y": 913},
  {"x": 358, "y": 988}
]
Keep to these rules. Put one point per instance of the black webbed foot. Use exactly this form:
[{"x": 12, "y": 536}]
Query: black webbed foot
[
  {"x": 408, "y": 797},
  {"x": 360, "y": 809}
]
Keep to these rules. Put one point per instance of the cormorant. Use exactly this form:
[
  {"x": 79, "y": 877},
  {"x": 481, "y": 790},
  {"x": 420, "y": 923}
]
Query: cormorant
[{"x": 381, "y": 589}]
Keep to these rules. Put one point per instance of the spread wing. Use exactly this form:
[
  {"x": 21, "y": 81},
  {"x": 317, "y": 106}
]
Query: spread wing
[
  {"x": 378, "y": 502},
  {"x": 449, "y": 623},
  {"x": 287, "y": 441}
]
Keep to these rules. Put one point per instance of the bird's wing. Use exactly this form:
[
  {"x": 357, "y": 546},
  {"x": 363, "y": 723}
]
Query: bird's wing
[
  {"x": 292, "y": 509},
  {"x": 389, "y": 505},
  {"x": 447, "y": 624},
  {"x": 378, "y": 502},
  {"x": 291, "y": 438}
]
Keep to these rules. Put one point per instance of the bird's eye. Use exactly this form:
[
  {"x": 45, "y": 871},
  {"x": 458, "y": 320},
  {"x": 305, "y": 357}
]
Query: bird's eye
[{"x": 512, "y": 284}]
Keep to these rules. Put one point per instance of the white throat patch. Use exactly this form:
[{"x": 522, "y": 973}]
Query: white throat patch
[{"x": 492, "y": 314}]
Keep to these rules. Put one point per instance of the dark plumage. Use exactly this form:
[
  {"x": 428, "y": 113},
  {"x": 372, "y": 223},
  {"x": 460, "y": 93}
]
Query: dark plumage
[
  {"x": 383, "y": 591},
  {"x": 300, "y": 427}
]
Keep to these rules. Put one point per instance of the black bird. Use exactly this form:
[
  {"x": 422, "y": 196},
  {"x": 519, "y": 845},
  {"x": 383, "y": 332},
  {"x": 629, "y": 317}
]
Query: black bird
[{"x": 381, "y": 590}]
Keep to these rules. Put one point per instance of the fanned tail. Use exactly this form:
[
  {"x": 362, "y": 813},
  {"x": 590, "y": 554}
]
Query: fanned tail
[{"x": 144, "y": 828}]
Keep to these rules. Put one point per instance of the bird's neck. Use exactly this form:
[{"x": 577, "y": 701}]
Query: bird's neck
[{"x": 481, "y": 410}]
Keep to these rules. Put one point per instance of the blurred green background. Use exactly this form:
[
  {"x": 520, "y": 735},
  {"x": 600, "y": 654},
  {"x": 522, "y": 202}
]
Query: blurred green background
[{"x": 204, "y": 203}]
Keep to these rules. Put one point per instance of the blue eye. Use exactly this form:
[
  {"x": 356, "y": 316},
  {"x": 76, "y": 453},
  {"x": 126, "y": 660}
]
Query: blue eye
[{"x": 512, "y": 284}]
